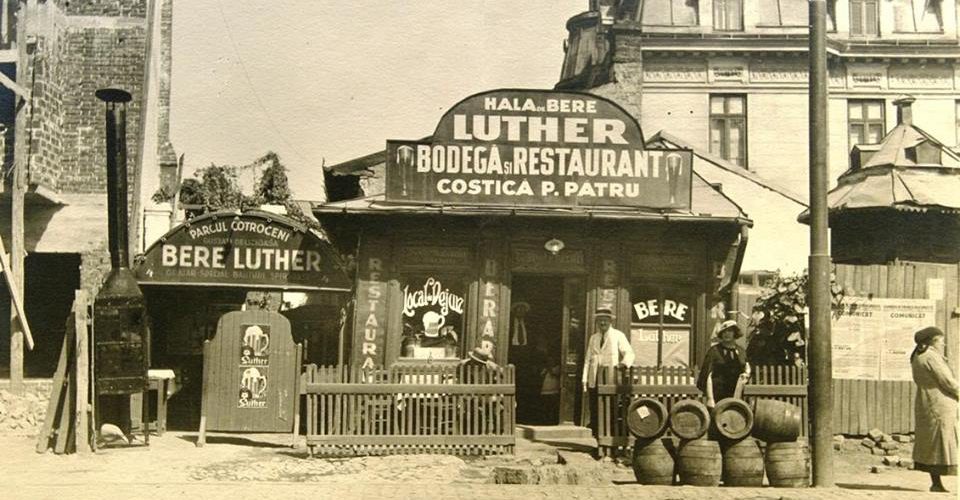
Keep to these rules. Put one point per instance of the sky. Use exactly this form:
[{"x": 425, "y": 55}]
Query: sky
[{"x": 322, "y": 81}]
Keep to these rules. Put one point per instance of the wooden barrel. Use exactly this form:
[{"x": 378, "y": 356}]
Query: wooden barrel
[
  {"x": 733, "y": 418},
  {"x": 689, "y": 419},
  {"x": 652, "y": 462},
  {"x": 788, "y": 464},
  {"x": 742, "y": 463},
  {"x": 646, "y": 418},
  {"x": 699, "y": 462},
  {"x": 775, "y": 421}
]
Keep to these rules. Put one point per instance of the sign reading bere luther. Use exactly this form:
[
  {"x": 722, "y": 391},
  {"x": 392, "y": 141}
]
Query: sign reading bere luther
[
  {"x": 532, "y": 147},
  {"x": 250, "y": 249}
]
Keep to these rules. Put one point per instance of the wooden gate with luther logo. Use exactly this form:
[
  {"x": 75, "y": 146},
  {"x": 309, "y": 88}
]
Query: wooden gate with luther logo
[{"x": 251, "y": 374}]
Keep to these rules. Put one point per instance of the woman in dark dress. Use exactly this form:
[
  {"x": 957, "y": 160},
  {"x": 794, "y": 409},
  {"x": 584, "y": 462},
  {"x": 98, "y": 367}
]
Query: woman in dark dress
[{"x": 724, "y": 365}]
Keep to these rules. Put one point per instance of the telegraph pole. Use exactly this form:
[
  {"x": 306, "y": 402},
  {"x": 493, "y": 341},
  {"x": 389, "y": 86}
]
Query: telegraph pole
[{"x": 819, "y": 264}]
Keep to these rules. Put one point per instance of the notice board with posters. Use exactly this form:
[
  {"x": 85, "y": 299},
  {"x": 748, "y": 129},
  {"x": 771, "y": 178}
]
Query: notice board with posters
[
  {"x": 873, "y": 338},
  {"x": 251, "y": 369}
]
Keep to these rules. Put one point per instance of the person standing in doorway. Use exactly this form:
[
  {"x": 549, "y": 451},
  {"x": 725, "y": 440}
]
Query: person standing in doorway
[
  {"x": 935, "y": 446},
  {"x": 607, "y": 347}
]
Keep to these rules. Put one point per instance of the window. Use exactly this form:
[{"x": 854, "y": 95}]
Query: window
[
  {"x": 864, "y": 17},
  {"x": 661, "y": 325},
  {"x": 957, "y": 117},
  {"x": 931, "y": 20},
  {"x": 433, "y": 316},
  {"x": 728, "y": 128},
  {"x": 671, "y": 13},
  {"x": 728, "y": 15},
  {"x": 783, "y": 12},
  {"x": 865, "y": 121},
  {"x": 913, "y": 16}
]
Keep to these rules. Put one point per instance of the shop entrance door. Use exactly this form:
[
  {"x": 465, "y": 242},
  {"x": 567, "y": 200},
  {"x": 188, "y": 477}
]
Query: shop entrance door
[{"x": 546, "y": 346}]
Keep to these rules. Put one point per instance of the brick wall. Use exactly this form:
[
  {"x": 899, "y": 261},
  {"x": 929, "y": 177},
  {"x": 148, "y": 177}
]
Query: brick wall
[{"x": 75, "y": 56}]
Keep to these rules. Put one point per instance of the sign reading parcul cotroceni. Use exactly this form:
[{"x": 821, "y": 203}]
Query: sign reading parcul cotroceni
[
  {"x": 533, "y": 147},
  {"x": 250, "y": 249}
]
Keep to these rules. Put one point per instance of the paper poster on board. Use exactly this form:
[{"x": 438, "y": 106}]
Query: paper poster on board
[{"x": 872, "y": 338}]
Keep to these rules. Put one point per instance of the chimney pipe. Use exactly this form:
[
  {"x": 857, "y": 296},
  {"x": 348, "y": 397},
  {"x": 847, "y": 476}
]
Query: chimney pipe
[
  {"x": 116, "y": 117},
  {"x": 904, "y": 110}
]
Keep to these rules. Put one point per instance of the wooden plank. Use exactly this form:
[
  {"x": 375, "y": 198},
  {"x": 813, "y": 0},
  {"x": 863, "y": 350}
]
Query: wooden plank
[
  {"x": 426, "y": 389},
  {"x": 419, "y": 441},
  {"x": 14, "y": 286},
  {"x": 82, "y": 374},
  {"x": 56, "y": 399}
]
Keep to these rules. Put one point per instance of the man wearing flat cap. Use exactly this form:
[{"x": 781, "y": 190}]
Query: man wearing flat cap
[{"x": 607, "y": 347}]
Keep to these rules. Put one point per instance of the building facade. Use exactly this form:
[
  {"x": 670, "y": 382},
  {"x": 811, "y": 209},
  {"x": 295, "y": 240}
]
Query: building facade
[{"x": 730, "y": 76}]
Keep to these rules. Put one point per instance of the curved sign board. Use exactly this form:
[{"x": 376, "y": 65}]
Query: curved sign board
[
  {"x": 538, "y": 148},
  {"x": 250, "y": 250}
]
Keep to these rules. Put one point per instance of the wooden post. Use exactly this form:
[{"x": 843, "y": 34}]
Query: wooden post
[{"x": 81, "y": 321}]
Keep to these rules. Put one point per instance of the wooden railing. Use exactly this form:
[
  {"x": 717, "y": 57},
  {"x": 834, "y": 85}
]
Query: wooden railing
[
  {"x": 616, "y": 389},
  {"x": 409, "y": 409}
]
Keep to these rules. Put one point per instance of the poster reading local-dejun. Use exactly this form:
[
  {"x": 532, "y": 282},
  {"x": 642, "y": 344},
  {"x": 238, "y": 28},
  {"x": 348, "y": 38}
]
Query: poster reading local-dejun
[{"x": 433, "y": 312}]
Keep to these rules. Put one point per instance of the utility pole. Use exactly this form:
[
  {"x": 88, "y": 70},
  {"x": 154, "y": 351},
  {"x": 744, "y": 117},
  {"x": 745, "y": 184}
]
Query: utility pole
[{"x": 819, "y": 264}]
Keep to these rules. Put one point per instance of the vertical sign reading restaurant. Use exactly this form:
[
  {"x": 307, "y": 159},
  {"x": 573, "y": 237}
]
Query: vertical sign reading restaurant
[{"x": 538, "y": 148}]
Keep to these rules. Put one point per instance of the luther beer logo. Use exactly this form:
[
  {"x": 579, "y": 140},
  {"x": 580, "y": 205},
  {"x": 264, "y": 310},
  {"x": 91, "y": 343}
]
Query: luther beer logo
[
  {"x": 253, "y": 389},
  {"x": 255, "y": 345}
]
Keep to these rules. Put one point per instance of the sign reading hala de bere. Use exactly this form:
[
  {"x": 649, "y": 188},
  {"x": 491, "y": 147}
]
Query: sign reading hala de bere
[{"x": 531, "y": 147}]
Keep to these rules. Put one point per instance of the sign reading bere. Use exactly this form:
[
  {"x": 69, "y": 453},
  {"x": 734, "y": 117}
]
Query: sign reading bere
[{"x": 530, "y": 147}]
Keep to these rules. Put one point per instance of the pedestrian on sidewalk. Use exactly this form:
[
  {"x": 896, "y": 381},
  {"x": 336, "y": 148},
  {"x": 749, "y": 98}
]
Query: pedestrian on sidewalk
[
  {"x": 724, "y": 364},
  {"x": 935, "y": 446},
  {"x": 607, "y": 347}
]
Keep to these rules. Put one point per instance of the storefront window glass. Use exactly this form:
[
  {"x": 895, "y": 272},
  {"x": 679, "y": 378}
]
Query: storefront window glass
[
  {"x": 433, "y": 316},
  {"x": 661, "y": 325}
]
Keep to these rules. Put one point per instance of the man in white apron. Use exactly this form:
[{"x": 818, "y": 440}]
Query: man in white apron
[{"x": 607, "y": 347}]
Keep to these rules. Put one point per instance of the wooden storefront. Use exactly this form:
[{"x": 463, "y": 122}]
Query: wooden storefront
[{"x": 440, "y": 272}]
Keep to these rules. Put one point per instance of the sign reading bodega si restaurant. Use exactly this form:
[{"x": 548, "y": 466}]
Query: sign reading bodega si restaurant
[{"x": 533, "y": 147}]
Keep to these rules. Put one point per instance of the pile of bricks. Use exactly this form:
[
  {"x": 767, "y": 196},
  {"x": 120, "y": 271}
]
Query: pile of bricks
[{"x": 888, "y": 446}]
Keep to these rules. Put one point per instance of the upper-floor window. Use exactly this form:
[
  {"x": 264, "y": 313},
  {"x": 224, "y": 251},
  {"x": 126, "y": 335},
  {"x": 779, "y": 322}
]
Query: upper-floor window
[
  {"x": 864, "y": 17},
  {"x": 918, "y": 16},
  {"x": 783, "y": 13},
  {"x": 865, "y": 119},
  {"x": 671, "y": 13},
  {"x": 728, "y": 128},
  {"x": 728, "y": 15}
]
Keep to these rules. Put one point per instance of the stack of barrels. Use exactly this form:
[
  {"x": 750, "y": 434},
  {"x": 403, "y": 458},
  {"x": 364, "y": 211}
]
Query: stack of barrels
[{"x": 722, "y": 445}]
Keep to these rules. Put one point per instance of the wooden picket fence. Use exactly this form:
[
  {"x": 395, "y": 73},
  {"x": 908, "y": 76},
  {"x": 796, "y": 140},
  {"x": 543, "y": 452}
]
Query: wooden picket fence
[
  {"x": 617, "y": 388},
  {"x": 445, "y": 409}
]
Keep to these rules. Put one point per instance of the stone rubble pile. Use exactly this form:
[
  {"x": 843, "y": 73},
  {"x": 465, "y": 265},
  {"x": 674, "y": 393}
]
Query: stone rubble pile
[{"x": 21, "y": 414}]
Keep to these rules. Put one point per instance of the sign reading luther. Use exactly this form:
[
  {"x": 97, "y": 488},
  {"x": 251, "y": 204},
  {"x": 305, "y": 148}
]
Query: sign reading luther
[
  {"x": 532, "y": 147},
  {"x": 250, "y": 249}
]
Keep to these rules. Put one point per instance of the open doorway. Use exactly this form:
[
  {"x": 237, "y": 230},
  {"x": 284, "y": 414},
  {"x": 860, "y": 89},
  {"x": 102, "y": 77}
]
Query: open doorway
[{"x": 536, "y": 341}]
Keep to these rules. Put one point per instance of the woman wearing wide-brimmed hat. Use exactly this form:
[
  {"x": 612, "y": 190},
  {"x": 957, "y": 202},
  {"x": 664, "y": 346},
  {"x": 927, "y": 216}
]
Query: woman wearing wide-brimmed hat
[
  {"x": 724, "y": 365},
  {"x": 935, "y": 443}
]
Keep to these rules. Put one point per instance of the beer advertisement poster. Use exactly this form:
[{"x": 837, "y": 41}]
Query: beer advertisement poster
[
  {"x": 253, "y": 388},
  {"x": 255, "y": 345}
]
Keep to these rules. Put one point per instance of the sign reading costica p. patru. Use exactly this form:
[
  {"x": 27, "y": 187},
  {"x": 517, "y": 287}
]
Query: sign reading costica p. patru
[
  {"x": 531, "y": 147},
  {"x": 250, "y": 249}
]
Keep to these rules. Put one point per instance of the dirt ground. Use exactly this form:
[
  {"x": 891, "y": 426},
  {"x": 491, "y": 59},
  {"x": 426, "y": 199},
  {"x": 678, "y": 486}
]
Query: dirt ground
[{"x": 174, "y": 459}]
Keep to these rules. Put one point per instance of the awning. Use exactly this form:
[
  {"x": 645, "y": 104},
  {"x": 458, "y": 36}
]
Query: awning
[{"x": 252, "y": 249}]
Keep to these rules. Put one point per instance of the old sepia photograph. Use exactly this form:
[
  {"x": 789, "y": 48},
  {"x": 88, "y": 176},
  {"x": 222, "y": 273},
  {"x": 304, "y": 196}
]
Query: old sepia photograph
[{"x": 499, "y": 249}]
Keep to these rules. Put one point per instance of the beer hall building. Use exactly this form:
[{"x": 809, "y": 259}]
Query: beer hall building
[{"x": 506, "y": 229}]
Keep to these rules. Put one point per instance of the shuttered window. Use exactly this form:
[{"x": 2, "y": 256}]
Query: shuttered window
[
  {"x": 671, "y": 12},
  {"x": 864, "y": 18}
]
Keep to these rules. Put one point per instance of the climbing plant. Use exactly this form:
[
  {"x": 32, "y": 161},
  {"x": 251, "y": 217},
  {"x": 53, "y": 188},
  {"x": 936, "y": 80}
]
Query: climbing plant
[{"x": 779, "y": 333}]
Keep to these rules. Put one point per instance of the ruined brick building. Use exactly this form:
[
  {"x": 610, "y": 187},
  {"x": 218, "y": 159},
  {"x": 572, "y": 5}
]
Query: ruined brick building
[{"x": 60, "y": 52}]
